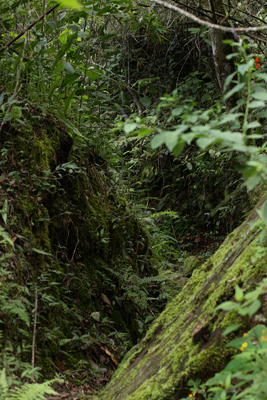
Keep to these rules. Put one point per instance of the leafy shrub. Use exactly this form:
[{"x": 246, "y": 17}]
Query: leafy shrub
[{"x": 244, "y": 377}]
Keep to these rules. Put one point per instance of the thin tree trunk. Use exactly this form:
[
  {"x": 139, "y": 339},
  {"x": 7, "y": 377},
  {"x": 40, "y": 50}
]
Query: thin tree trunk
[{"x": 220, "y": 50}]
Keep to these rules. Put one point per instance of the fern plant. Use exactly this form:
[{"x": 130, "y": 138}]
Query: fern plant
[{"x": 29, "y": 391}]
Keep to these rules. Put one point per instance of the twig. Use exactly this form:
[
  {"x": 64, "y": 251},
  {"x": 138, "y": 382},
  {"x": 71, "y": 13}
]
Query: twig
[
  {"x": 54, "y": 365},
  {"x": 34, "y": 330},
  {"x": 17, "y": 84},
  {"x": 29, "y": 27},
  {"x": 208, "y": 24},
  {"x": 73, "y": 254},
  {"x": 260, "y": 39}
]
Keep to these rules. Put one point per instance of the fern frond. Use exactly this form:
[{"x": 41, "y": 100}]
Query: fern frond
[
  {"x": 18, "y": 308},
  {"x": 34, "y": 391},
  {"x": 3, "y": 385}
]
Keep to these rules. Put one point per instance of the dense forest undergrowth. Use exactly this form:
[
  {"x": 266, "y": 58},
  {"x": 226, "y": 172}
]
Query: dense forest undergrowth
[{"x": 123, "y": 168}]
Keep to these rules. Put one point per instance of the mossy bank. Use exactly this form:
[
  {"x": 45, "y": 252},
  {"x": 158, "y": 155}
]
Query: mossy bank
[{"x": 75, "y": 246}]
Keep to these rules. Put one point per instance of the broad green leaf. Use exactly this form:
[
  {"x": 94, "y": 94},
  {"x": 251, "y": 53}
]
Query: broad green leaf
[
  {"x": 239, "y": 295},
  {"x": 171, "y": 139},
  {"x": 189, "y": 166},
  {"x": 252, "y": 125},
  {"x": 92, "y": 75},
  {"x": 264, "y": 212},
  {"x": 262, "y": 76},
  {"x": 60, "y": 67},
  {"x": 192, "y": 118},
  {"x": 262, "y": 114},
  {"x": 70, "y": 4},
  {"x": 144, "y": 131},
  {"x": 64, "y": 49},
  {"x": 158, "y": 140},
  {"x": 230, "y": 117},
  {"x": 259, "y": 95},
  {"x": 191, "y": 383},
  {"x": 218, "y": 379},
  {"x": 252, "y": 182},
  {"x": 177, "y": 111},
  {"x": 129, "y": 127},
  {"x": 52, "y": 24},
  {"x": 230, "y": 56},
  {"x": 228, "y": 80},
  {"x": 242, "y": 68},
  {"x": 51, "y": 50},
  {"x": 82, "y": 34},
  {"x": 231, "y": 328},
  {"x": 177, "y": 150},
  {"x": 64, "y": 35},
  {"x": 256, "y": 104},
  {"x": 145, "y": 101},
  {"x": 70, "y": 78},
  {"x": 234, "y": 137},
  {"x": 235, "y": 89},
  {"x": 205, "y": 142},
  {"x": 69, "y": 68},
  {"x": 228, "y": 382},
  {"x": 227, "y": 305},
  {"x": 251, "y": 309}
]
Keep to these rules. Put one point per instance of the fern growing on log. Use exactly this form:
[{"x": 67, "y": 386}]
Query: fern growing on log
[{"x": 29, "y": 391}]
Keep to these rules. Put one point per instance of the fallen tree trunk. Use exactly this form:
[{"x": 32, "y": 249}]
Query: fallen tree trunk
[{"x": 185, "y": 342}]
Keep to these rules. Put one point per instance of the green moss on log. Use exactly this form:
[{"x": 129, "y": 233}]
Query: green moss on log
[{"x": 185, "y": 341}]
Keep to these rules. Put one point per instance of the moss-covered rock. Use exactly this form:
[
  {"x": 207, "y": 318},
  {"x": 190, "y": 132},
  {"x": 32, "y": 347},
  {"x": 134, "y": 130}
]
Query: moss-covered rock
[{"x": 185, "y": 341}]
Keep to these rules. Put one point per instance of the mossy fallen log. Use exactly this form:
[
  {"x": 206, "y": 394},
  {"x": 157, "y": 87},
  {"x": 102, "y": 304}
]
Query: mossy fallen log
[{"x": 186, "y": 341}]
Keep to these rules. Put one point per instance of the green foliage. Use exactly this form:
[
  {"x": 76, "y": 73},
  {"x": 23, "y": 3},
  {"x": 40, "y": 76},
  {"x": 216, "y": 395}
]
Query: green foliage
[
  {"x": 34, "y": 391},
  {"x": 244, "y": 377},
  {"x": 73, "y": 236},
  {"x": 161, "y": 182},
  {"x": 225, "y": 130}
]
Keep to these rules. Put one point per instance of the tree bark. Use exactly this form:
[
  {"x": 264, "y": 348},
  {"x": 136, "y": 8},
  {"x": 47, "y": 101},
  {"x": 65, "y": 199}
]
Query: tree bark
[{"x": 220, "y": 50}]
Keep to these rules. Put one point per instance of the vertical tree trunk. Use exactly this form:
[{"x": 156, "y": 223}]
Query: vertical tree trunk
[{"x": 220, "y": 50}]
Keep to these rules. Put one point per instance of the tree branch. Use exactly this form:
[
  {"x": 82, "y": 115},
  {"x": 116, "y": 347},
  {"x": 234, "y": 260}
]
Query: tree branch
[
  {"x": 208, "y": 24},
  {"x": 29, "y": 27}
]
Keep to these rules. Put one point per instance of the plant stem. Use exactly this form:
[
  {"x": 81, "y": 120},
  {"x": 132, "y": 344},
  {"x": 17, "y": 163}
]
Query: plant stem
[{"x": 34, "y": 330}]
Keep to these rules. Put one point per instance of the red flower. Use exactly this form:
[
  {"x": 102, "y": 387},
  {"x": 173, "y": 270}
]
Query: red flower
[{"x": 257, "y": 62}]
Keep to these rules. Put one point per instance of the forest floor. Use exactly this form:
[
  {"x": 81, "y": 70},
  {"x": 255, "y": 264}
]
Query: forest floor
[{"x": 71, "y": 391}]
